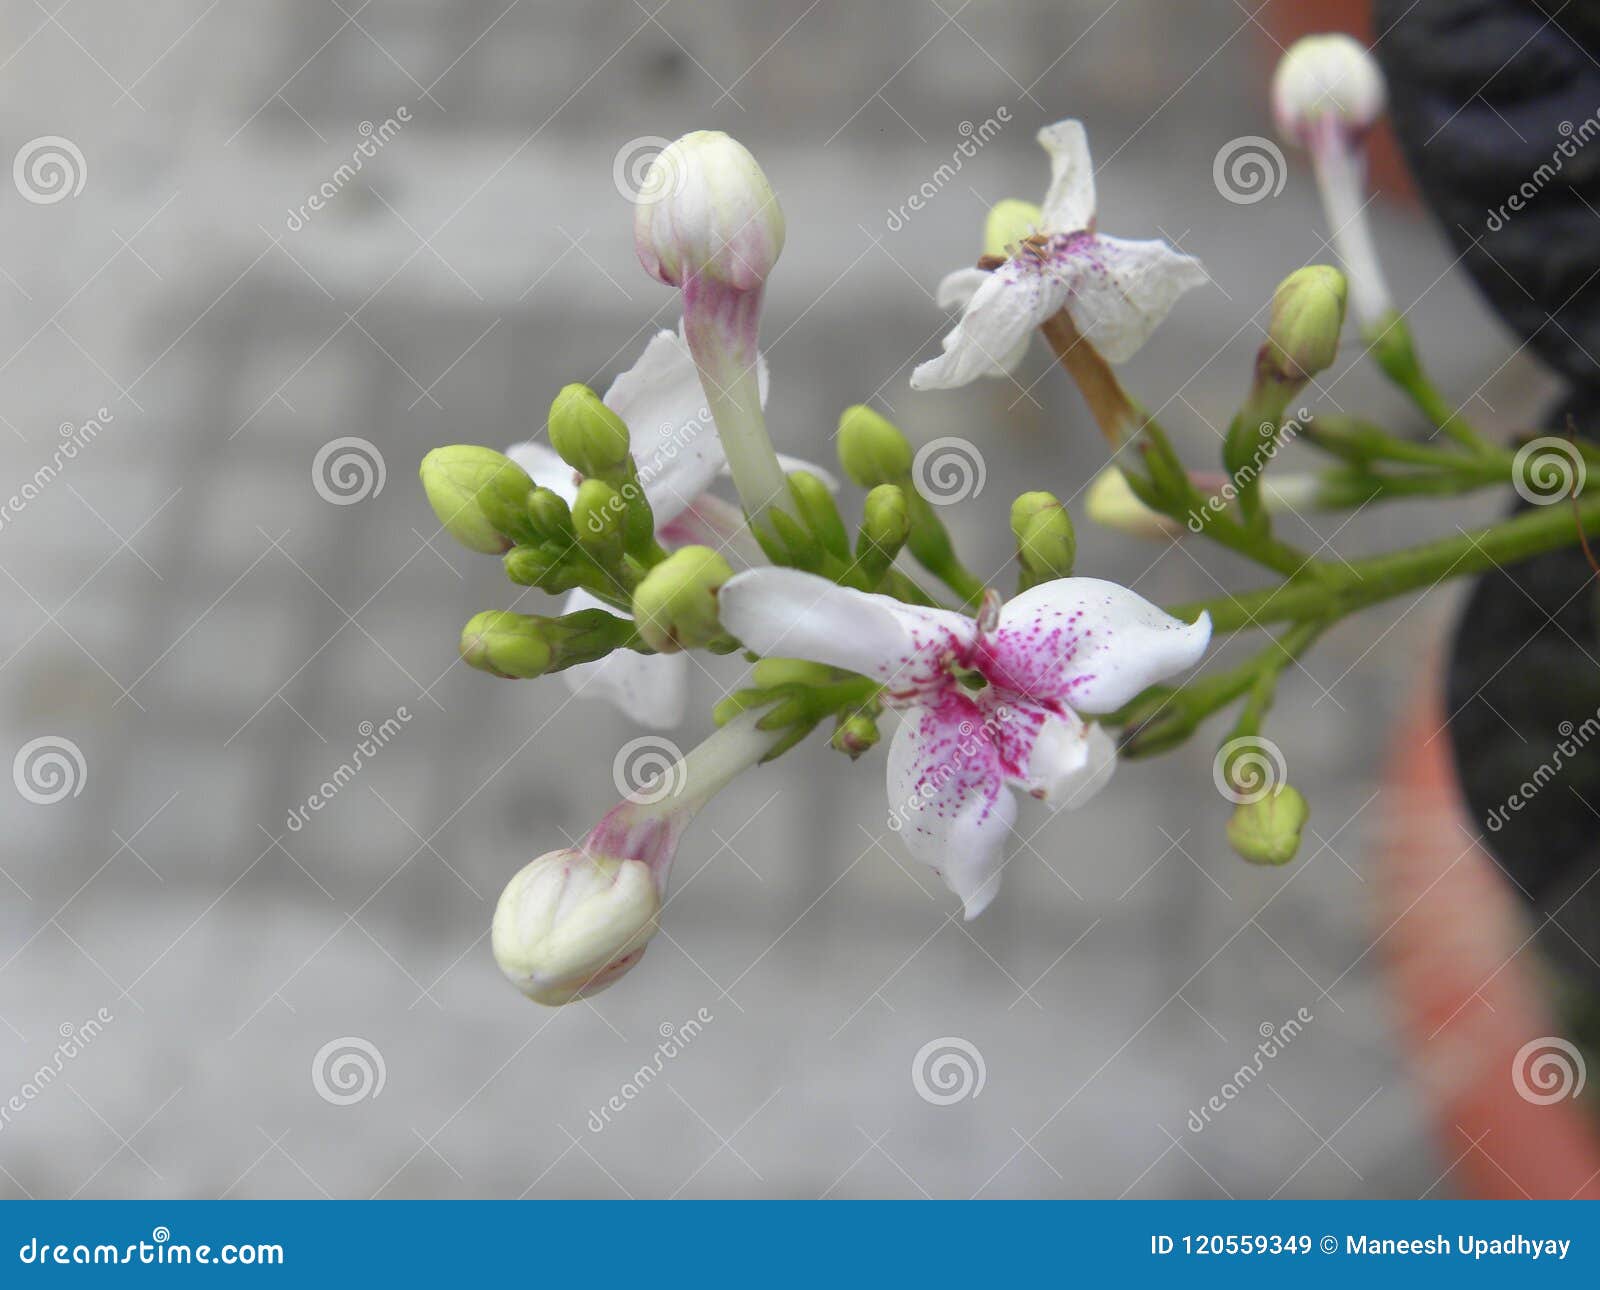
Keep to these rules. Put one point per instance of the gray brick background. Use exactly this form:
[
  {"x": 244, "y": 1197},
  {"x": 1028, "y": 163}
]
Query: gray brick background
[{"x": 183, "y": 606}]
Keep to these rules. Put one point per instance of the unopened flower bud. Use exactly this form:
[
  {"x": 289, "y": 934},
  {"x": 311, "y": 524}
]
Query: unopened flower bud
[
  {"x": 479, "y": 496},
  {"x": 569, "y": 924},
  {"x": 885, "y": 526},
  {"x": 506, "y": 644},
  {"x": 871, "y": 449},
  {"x": 1009, "y": 222},
  {"x": 705, "y": 208},
  {"x": 590, "y": 437},
  {"x": 676, "y": 604},
  {"x": 1307, "y": 317},
  {"x": 1326, "y": 80},
  {"x": 1111, "y": 504},
  {"x": 1046, "y": 543},
  {"x": 598, "y": 513},
  {"x": 1268, "y": 831},
  {"x": 550, "y": 515},
  {"x": 814, "y": 502},
  {"x": 855, "y": 735},
  {"x": 768, "y": 673}
]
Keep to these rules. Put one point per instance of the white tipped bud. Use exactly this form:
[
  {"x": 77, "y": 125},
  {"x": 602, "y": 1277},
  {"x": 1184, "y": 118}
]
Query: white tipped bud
[
  {"x": 1111, "y": 504},
  {"x": 1326, "y": 78},
  {"x": 569, "y": 924},
  {"x": 706, "y": 208}
]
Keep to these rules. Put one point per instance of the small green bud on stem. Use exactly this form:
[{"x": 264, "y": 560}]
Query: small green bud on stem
[
  {"x": 1046, "y": 543},
  {"x": 1267, "y": 832},
  {"x": 675, "y": 606},
  {"x": 528, "y": 645},
  {"x": 480, "y": 496}
]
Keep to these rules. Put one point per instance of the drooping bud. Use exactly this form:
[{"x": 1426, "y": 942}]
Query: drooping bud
[
  {"x": 1307, "y": 317},
  {"x": 871, "y": 449},
  {"x": 706, "y": 208},
  {"x": 1110, "y": 503},
  {"x": 1046, "y": 543},
  {"x": 1008, "y": 223},
  {"x": 1267, "y": 831},
  {"x": 479, "y": 496},
  {"x": 855, "y": 735},
  {"x": 570, "y": 924},
  {"x": 675, "y": 606},
  {"x": 590, "y": 437},
  {"x": 527, "y": 645},
  {"x": 1326, "y": 80}
]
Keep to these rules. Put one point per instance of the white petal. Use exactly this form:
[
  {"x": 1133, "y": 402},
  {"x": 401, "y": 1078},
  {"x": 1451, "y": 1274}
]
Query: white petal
[
  {"x": 673, "y": 436},
  {"x": 544, "y": 464},
  {"x": 948, "y": 800},
  {"x": 993, "y": 333},
  {"x": 1089, "y": 644},
  {"x": 711, "y": 521},
  {"x": 1071, "y": 762},
  {"x": 653, "y": 689},
  {"x": 957, "y": 289},
  {"x": 789, "y": 614},
  {"x": 1069, "y": 205},
  {"x": 1121, "y": 290}
]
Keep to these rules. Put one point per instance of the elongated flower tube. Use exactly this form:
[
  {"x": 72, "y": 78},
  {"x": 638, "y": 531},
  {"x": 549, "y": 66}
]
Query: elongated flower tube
[
  {"x": 707, "y": 221},
  {"x": 990, "y": 704},
  {"x": 574, "y": 921},
  {"x": 1327, "y": 93}
]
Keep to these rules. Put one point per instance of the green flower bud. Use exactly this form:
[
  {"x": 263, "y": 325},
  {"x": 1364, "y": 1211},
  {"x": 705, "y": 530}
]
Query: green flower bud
[
  {"x": 598, "y": 512},
  {"x": 885, "y": 526},
  {"x": 854, "y": 735},
  {"x": 590, "y": 437},
  {"x": 871, "y": 449},
  {"x": 506, "y": 644},
  {"x": 769, "y": 673},
  {"x": 479, "y": 495},
  {"x": 1307, "y": 317},
  {"x": 1009, "y": 222},
  {"x": 675, "y": 606},
  {"x": 1268, "y": 831},
  {"x": 550, "y": 516},
  {"x": 1046, "y": 543},
  {"x": 816, "y": 506}
]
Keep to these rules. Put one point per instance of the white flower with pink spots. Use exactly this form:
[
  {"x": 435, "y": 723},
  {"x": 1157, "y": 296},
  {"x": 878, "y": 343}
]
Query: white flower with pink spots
[
  {"x": 1116, "y": 291},
  {"x": 990, "y": 704}
]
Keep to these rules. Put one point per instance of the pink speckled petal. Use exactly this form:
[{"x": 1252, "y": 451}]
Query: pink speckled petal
[
  {"x": 790, "y": 614},
  {"x": 948, "y": 799},
  {"x": 993, "y": 333},
  {"x": 1087, "y": 644},
  {"x": 1069, "y": 205},
  {"x": 1121, "y": 291}
]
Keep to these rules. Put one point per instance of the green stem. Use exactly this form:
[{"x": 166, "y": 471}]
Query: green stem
[{"x": 1346, "y": 588}]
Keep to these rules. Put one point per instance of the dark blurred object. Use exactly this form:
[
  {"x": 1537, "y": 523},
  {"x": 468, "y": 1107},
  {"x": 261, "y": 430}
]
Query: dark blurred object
[
  {"x": 1488, "y": 99},
  {"x": 1497, "y": 105}
]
